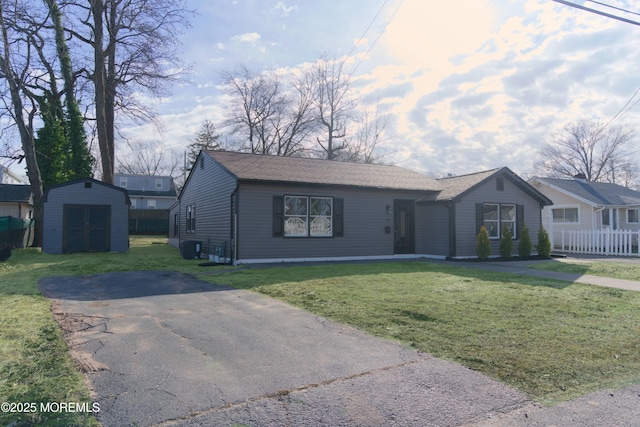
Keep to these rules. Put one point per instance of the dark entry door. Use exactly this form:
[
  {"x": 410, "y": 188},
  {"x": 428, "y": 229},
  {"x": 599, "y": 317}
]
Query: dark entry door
[
  {"x": 404, "y": 227},
  {"x": 86, "y": 228}
]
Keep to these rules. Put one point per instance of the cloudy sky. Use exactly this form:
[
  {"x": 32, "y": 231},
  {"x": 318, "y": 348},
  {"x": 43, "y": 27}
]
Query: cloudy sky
[{"x": 470, "y": 84}]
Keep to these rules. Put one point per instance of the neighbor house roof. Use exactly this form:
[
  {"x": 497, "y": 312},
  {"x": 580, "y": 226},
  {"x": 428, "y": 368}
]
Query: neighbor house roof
[
  {"x": 15, "y": 193},
  {"x": 137, "y": 187},
  {"x": 278, "y": 169},
  {"x": 455, "y": 187},
  {"x": 595, "y": 193}
]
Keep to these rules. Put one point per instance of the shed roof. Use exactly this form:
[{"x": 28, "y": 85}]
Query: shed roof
[
  {"x": 83, "y": 180},
  {"x": 15, "y": 193},
  {"x": 279, "y": 169},
  {"x": 596, "y": 193}
]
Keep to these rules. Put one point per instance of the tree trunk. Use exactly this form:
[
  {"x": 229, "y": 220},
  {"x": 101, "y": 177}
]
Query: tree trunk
[
  {"x": 24, "y": 128},
  {"x": 99, "y": 79}
]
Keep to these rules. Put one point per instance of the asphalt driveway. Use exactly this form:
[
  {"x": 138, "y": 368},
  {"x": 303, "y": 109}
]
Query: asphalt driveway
[{"x": 163, "y": 348}]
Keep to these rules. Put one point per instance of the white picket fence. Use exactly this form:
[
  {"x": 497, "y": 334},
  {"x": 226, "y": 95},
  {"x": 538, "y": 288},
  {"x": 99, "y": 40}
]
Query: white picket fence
[{"x": 598, "y": 242}]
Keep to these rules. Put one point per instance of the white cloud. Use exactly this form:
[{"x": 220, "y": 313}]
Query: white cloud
[
  {"x": 252, "y": 38},
  {"x": 285, "y": 10}
]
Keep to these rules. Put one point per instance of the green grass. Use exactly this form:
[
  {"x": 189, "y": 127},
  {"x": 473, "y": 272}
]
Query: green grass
[
  {"x": 553, "y": 340},
  {"x": 35, "y": 365},
  {"x": 618, "y": 270}
]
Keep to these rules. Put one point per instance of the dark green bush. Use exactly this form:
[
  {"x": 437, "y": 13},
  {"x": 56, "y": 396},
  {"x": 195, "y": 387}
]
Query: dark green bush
[
  {"x": 544, "y": 244},
  {"x": 524, "y": 246},
  {"x": 483, "y": 244},
  {"x": 506, "y": 243}
]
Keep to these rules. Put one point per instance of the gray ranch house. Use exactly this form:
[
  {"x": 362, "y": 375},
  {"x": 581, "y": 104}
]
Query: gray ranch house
[{"x": 258, "y": 208}]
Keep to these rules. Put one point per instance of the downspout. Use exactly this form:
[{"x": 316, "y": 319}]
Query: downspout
[{"x": 233, "y": 232}]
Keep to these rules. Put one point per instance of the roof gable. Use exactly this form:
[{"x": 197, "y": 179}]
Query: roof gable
[
  {"x": 265, "y": 168},
  {"x": 456, "y": 187},
  {"x": 594, "y": 193},
  {"x": 93, "y": 181}
]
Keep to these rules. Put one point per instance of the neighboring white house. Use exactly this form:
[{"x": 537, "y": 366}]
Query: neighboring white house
[
  {"x": 582, "y": 205},
  {"x": 8, "y": 177}
]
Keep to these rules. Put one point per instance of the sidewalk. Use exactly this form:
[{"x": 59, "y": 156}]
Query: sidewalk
[{"x": 523, "y": 267}]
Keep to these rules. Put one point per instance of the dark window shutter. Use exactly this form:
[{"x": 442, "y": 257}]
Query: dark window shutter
[
  {"x": 278, "y": 216},
  {"x": 479, "y": 216},
  {"x": 519, "y": 220},
  {"x": 338, "y": 217}
]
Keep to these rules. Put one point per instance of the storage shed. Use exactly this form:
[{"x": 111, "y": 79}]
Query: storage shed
[{"x": 85, "y": 215}]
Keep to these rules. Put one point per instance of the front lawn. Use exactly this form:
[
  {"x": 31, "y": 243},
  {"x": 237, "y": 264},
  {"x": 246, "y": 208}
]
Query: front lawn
[
  {"x": 619, "y": 270},
  {"x": 553, "y": 340}
]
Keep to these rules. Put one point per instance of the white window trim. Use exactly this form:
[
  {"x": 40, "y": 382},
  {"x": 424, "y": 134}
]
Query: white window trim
[
  {"x": 554, "y": 207},
  {"x": 123, "y": 181},
  {"x": 151, "y": 204},
  {"x": 499, "y": 221},
  {"x": 158, "y": 183},
  {"x": 637, "y": 215},
  {"x": 308, "y": 218},
  {"x": 134, "y": 203}
]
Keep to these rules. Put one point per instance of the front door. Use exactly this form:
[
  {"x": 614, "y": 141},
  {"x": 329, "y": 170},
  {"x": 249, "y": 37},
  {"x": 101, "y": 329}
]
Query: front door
[{"x": 404, "y": 226}]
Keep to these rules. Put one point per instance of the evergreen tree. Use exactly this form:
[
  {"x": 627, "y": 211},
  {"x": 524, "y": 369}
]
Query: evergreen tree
[
  {"x": 79, "y": 161},
  {"x": 524, "y": 246},
  {"x": 50, "y": 144},
  {"x": 206, "y": 139},
  {"x": 483, "y": 244}
]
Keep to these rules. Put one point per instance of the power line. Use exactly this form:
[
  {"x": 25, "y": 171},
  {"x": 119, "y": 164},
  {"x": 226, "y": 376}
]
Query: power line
[
  {"x": 377, "y": 38},
  {"x": 614, "y": 7},
  {"x": 622, "y": 111},
  {"x": 598, "y": 12},
  {"x": 368, "y": 27}
]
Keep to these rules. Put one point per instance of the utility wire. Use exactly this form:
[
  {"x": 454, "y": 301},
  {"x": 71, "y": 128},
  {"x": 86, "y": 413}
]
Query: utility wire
[
  {"x": 377, "y": 38},
  {"x": 368, "y": 27},
  {"x": 598, "y": 12},
  {"x": 622, "y": 111},
  {"x": 614, "y": 7}
]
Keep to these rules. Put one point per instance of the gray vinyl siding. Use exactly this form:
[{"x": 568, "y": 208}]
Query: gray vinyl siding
[
  {"x": 365, "y": 219},
  {"x": 432, "y": 230},
  {"x": 465, "y": 215},
  {"x": 209, "y": 189},
  {"x": 77, "y": 194}
]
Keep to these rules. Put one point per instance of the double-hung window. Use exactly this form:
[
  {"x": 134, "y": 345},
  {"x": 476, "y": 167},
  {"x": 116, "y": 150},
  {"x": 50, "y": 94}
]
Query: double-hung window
[
  {"x": 632, "y": 216},
  {"x": 306, "y": 216},
  {"x": 498, "y": 217}
]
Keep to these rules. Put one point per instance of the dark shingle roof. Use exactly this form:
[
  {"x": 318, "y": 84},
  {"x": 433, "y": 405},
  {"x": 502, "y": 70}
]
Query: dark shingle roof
[
  {"x": 456, "y": 186},
  {"x": 255, "y": 167},
  {"x": 598, "y": 193},
  {"x": 15, "y": 193}
]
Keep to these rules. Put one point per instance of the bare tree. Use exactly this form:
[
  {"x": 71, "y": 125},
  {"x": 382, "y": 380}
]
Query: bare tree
[
  {"x": 371, "y": 132},
  {"x": 268, "y": 116},
  {"x": 334, "y": 105},
  {"x": 148, "y": 158},
  {"x": 16, "y": 71},
  {"x": 133, "y": 45},
  {"x": 597, "y": 152}
]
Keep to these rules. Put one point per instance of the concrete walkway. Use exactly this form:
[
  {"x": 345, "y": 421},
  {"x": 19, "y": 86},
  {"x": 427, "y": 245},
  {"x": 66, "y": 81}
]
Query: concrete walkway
[{"x": 524, "y": 267}]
